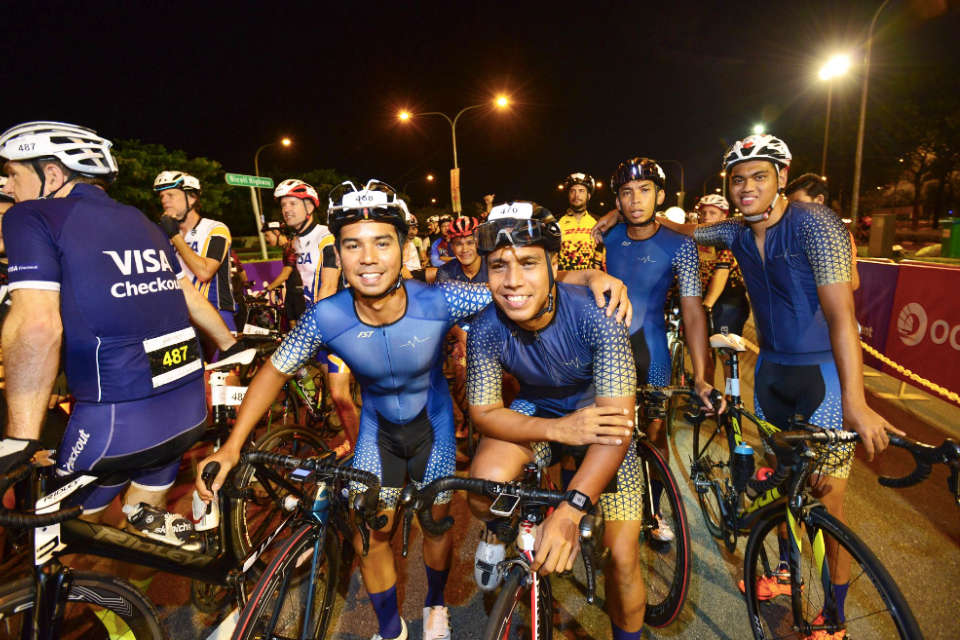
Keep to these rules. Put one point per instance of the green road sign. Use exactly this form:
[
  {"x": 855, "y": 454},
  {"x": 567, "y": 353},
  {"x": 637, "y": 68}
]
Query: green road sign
[{"x": 240, "y": 180}]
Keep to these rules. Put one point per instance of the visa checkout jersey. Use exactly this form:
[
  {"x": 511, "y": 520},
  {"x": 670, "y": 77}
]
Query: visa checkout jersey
[
  {"x": 808, "y": 247},
  {"x": 211, "y": 239},
  {"x": 314, "y": 248},
  {"x": 126, "y": 328}
]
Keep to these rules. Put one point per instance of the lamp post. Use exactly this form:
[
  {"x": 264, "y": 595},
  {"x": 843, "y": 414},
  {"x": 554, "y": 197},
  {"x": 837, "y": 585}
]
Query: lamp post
[
  {"x": 858, "y": 159},
  {"x": 834, "y": 67},
  {"x": 683, "y": 190},
  {"x": 286, "y": 142},
  {"x": 501, "y": 102}
]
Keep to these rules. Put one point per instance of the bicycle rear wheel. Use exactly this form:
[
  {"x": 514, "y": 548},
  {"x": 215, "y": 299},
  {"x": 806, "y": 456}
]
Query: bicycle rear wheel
[
  {"x": 258, "y": 509},
  {"x": 710, "y": 472},
  {"x": 667, "y": 562},
  {"x": 874, "y": 606},
  {"x": 294, "y": 597},
  {"x": 99, "y": 607},
  {"x": 510, "y": 617}
]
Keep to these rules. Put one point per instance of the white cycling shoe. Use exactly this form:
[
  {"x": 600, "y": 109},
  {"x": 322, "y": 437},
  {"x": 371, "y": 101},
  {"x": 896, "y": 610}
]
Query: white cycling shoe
[
  {"x": 485, "y": 564},
  {"x": 662, "y": 532},
  {"x": 402, "y": 636},
  {"x": 436, "y": 623}
]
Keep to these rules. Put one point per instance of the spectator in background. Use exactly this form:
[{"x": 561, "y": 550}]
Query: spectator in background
[
  {"x": 439, "y": 248},
  {"x": 578, "y": 249}
]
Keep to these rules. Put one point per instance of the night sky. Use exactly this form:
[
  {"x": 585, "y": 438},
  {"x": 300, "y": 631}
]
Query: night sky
[{"x": 591, "y": 82}]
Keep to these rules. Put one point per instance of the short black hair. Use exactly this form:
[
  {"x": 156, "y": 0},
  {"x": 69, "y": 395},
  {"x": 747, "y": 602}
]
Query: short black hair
[{"x": 813, "y": 184}]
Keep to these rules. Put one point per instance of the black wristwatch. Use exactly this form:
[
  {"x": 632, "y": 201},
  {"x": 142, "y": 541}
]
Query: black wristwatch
[{"x": 579, "y": 501}]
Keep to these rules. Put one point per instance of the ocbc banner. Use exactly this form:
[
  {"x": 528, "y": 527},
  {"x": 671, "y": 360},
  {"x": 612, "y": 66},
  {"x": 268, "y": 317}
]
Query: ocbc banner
[{"x": 924, "y": 323}]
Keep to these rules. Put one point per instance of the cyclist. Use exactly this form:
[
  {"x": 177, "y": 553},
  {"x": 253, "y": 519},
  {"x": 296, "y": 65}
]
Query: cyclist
[
  {"x": 277, "y": 234},
  {"x": 796, "y": 264},
  {"x": 725, "y": 297},
  {"x": 578, "y": 250},
  {"x": 809, "y": 187},
  {"x": 647, "y": 257},
  {"x": 100, "y": 278},
  {"x": 577, "y": 397},
  {"x": 439, "y": 247},
  {"x": 320, "y": 274},
  {"x": 202, "y": 244},
  {"x": 412, "y": 249},
  {"x": 390, "y": 331}
]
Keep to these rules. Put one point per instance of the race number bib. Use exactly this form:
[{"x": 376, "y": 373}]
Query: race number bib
[{"x": 173, "y": 356}]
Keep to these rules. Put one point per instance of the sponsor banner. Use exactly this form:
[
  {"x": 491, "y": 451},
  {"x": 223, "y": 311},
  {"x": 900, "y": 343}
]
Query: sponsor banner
[
  {"x": 874, "y": 302},
  {"x": 924, "y": 333},
  {"x": 455, "y": 190},
  {"x": 262, "y": 271}
]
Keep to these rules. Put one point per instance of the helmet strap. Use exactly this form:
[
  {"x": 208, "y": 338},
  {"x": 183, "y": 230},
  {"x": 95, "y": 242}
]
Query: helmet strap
[
  {"x": 760, "y": 217},
  {"x": 38, "y": 167},
  {"x": 551, "y": 287}
]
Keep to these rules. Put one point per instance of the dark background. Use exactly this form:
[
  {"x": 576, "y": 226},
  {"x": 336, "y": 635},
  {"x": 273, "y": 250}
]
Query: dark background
[{"x": 591, "y": 83}]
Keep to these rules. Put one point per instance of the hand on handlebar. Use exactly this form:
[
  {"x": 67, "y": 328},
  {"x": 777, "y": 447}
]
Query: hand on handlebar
[
  {"x": 712, "y": 399},
  {"x": 593, "y": 425},
  {"x": 558, "y": 540},
  {"x": 228, "y": 460},
  {"x": 872, "y": 429}
]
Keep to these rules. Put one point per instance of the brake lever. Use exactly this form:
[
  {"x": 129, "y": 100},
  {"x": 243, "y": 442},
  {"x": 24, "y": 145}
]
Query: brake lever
[
  {"x": 360, "y": 510},
  {"x": 587, "y": 548},
  {"x": 408, "y": 499}
]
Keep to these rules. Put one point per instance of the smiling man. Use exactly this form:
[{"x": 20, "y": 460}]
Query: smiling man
[
  {"x": 576, "y": 399},
  {"x": 390, "y": 332},
  {"x": 578, "y": 250}
]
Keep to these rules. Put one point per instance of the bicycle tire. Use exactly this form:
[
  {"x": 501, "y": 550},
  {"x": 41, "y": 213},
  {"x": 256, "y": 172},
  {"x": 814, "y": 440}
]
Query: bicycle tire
[
  {"x": 277, "y": 606},
  {"x": 89, "y": 593},
  {"x": 872, "y": 592},
  {"x": 678, "y": 379},
  {"x": 255, "y": 513},
  {"x": 710, "y": 472},
  {"x": 667, "y": 563},
  {"x": 504, "y": 623}
]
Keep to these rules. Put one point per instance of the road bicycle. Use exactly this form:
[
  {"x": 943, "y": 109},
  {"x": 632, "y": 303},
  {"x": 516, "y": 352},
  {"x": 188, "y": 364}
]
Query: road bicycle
[
  {"x": 680, "y": 375},
  {"x": 294, "y": 596}
]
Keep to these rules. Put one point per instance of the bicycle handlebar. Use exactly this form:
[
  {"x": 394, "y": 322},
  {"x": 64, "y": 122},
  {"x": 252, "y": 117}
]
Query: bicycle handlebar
[{"x": 30, "y": 520}]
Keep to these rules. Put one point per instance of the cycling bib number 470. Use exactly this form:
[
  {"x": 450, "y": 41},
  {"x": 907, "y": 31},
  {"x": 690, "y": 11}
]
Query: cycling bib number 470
[{"x": 173, "y": 356}]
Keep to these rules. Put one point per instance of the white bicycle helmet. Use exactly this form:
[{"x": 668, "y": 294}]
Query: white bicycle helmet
[
  {"x": 675, "y": 214},
  {"x": 761, "y": 146},
  {"x": 79, "y": 149},
  {"x": 176, "y": 180},
  {"x": 297, "y": 189},
  {"x": 712, "y": 200}
]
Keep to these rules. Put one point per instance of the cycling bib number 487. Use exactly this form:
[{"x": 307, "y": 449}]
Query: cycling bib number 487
[{"x": 173, "y": 356}]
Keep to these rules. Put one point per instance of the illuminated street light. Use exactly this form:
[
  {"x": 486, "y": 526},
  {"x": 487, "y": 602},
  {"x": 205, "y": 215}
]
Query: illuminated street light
[
  {"x": 559, "y": 187},
  {"x": 256, "y": 199},
  {"x": 433, "y": 201},
  {"x": 834, "y": 68},
  {"x": 759, "y": 128},
  {"x": 429, "y": 177},
  {"x": 500, "y": 102},
  {"x": 599, "y": 184}
]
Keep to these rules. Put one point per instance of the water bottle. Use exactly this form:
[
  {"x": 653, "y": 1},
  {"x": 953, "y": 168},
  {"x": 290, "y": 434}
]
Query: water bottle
[{"x": 742, "y": 466}]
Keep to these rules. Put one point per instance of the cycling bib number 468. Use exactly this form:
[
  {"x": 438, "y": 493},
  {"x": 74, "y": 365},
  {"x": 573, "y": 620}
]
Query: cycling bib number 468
[{"x": 173, "y": 356}]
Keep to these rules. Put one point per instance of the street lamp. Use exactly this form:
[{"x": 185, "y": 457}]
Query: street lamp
[
  {"x": 258, "y": 200},
  {"x": 759, "y": 128},
  {"x": 834, "y": 67},
  {"x": 429, "y": 177},
  {"x": 858, "y": 159},
  {"x": 500, "y": 102}
]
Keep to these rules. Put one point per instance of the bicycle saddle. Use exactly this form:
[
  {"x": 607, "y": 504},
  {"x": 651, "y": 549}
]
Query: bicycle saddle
[{"x": 727, "y": 341}]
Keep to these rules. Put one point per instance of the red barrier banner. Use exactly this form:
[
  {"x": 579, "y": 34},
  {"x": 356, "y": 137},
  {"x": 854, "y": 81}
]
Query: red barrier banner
[{"x": 924, "y": 333}]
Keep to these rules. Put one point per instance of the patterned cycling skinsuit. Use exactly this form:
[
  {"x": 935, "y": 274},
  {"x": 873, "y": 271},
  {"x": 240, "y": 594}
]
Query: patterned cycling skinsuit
[
  {"x": 580, "y": 355},
  {"x": 796, "y": 374},
  {"x": 406, "y": 422},
  {"x": 132, "y": 358},
  {"x": 648, "y": 268}
]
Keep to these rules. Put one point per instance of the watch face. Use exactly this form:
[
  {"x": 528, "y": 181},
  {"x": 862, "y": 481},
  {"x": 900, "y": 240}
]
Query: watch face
[{"x": 578, "y": 500}]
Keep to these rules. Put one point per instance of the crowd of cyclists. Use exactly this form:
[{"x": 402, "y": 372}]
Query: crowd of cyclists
[{"x": 547, "y": 373}]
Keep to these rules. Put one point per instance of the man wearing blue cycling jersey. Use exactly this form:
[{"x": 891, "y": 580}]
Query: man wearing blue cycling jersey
[
  {"x": 577, "y": 398},
  {"x": 796, "y": 263},
  {"x": 390, "y": 332},
  {"x": 101, "y": 279},
  {"x": 648, "y": 257}
]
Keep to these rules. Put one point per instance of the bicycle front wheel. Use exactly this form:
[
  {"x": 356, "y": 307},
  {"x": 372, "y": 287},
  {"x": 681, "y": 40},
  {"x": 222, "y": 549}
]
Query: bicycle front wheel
[
  {"x": 667, "y": 561},
  {"x": 294, "y": 597},
  {"x": 512, "y": 616},
  {"x": 710, "y": 472},
  {"x": 99, "y": 607},
  {"x": 873, "y": 608}
]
